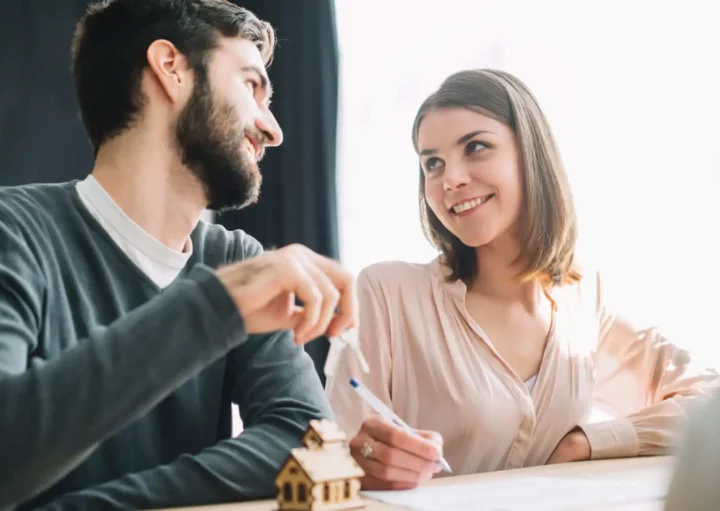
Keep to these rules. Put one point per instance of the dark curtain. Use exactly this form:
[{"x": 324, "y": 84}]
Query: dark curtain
[
  {"x": 42, "y": 139},
  {"x": 298, "y": 201},
  {"x": 41, "y": 136}
]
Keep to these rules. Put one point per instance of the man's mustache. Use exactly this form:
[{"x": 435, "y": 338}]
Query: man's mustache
[{"x": 260, "y": 140}]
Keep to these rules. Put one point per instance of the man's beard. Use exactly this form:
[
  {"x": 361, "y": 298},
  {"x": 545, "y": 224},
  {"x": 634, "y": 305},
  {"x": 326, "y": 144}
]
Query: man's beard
[{"x": 209, "y": 135}]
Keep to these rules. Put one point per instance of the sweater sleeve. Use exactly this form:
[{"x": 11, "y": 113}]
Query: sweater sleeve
[
  {"x": 646, "y": 383},
  {"x": 278, "y": 393},
  {"x": 53, "y": 415}
]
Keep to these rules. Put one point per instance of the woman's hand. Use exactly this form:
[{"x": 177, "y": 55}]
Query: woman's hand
[
  {"x": 574, "y": 446},
  {"x": 394, "y": 459}
]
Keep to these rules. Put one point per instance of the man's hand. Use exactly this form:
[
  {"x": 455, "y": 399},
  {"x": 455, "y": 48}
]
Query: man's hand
[
  {"x": 574, "y": 446},
  {"x": 265, "y": 288},
  {"x": 394, "y": 459}
]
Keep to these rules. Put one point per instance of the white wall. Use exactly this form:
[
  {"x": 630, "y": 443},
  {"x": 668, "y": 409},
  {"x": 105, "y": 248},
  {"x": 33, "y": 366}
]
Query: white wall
[{"x": 632, "y": 91}]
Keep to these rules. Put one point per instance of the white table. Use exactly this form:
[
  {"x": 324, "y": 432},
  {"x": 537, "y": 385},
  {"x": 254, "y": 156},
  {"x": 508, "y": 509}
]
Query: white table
[{"x": 580, "y": 470}]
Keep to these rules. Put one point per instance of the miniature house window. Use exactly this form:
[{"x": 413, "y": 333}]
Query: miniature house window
[
  {"x": 293, "y": 470},
  {"x": 287, "y": 492},
  {"x": 347, "y": 489},
  {"x": 302, "y": 492},
  {"x": 327, "y": 492}
]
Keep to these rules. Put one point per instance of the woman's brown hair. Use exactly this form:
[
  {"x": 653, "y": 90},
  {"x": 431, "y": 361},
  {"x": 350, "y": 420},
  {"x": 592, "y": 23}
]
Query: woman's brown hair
[{"x": 548, "y": 224}]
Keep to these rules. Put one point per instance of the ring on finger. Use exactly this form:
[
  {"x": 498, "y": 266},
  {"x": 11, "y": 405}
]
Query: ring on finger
[{"x": 367, "y": 448}]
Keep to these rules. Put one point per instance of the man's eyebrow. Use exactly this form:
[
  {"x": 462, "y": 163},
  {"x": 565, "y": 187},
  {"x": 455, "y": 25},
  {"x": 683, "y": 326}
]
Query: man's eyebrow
[{"x": 264, "y": 81}]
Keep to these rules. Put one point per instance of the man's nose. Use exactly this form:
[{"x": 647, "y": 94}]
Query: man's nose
[{"x": 269, "y": 127}]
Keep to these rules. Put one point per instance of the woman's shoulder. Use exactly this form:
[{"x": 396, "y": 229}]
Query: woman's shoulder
[
  {"x": 399, "y": 277},
  {"x": 586, "y": 291},
  {"x": 398, "y": 270}
]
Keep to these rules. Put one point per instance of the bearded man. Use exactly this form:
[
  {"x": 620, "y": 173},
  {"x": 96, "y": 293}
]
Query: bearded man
[{"x": 127, "y": 325}]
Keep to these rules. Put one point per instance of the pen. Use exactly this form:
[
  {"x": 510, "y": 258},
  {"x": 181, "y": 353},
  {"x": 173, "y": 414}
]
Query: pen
[{"x": 388, "y": 414}]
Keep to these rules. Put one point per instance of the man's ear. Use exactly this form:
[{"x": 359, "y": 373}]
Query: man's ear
[{"x": 170, "y": 69}]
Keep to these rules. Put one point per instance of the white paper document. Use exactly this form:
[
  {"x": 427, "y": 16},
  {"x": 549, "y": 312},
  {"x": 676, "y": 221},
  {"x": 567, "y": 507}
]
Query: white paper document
[{"x": 532, "y": 493}]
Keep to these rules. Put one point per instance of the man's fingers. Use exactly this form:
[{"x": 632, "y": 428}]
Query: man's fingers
[
  {"x": 330, "y": 297},
  {"x": 291, "y": 320},
  {"x": 326, "y": 291},
  {"x": 347, "y": 310},
  {"x": 347, "y": 307},
  {"x": 393, "y": 436},
  {"x": 308, "y": 293}
]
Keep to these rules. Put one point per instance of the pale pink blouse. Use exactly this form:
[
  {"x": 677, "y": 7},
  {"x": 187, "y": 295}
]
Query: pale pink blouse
[{"x": 434, "y": 365}]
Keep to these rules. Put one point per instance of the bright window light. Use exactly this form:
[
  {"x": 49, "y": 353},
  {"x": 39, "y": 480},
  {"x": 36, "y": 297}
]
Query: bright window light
[{"x": 632, "y": 92}]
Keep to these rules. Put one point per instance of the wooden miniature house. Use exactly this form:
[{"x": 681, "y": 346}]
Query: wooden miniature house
[
  {"x": 324, "y": 434},
  {"x": 321, "y": 476}
]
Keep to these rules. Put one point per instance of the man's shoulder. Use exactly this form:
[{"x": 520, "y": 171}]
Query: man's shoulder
[
  {"x": 222, "y": 246},
  {"x": 34, "y": 204}
]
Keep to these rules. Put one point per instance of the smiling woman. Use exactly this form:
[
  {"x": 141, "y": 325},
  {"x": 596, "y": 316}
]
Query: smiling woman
[
  {"x": 631, "y": 126},
  {"x": 480, "y": 159},
  {"x": 507, "y": 338}
]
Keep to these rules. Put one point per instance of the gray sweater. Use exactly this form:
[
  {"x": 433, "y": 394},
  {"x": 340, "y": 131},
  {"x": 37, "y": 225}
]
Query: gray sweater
[{"x": 115, "y": 393}]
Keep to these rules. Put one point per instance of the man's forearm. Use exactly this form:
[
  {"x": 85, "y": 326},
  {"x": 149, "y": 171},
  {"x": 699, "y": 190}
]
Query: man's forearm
[
  {"x": 242, "y": 468},
  {"x": 53, "y": 416},
  {"x": 278, "y": 392}
]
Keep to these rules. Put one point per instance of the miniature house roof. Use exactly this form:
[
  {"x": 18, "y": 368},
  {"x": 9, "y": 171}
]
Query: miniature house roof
[
  {"x": 328, "y": 431},
  {"x": 322, "y": 466}
]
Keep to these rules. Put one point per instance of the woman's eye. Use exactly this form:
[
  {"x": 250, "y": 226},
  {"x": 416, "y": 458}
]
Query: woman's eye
[
  {"x": 253, "y": 85},
  {"x": 474, "y": 147},
  {"x": 432, "y": 163}
]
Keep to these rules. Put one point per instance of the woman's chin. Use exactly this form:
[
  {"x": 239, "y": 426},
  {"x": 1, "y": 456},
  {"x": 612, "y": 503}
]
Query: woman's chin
[{"x": 476, "y": 240}]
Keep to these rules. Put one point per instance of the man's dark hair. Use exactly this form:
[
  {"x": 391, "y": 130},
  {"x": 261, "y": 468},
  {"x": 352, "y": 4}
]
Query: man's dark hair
[{"x": 109, "y": 51}]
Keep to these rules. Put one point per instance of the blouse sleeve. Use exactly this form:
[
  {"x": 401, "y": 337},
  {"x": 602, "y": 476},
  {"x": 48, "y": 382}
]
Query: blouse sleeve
[
  {"x": 374, "y": 341},
  {"x": 646, "y": 383}
]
